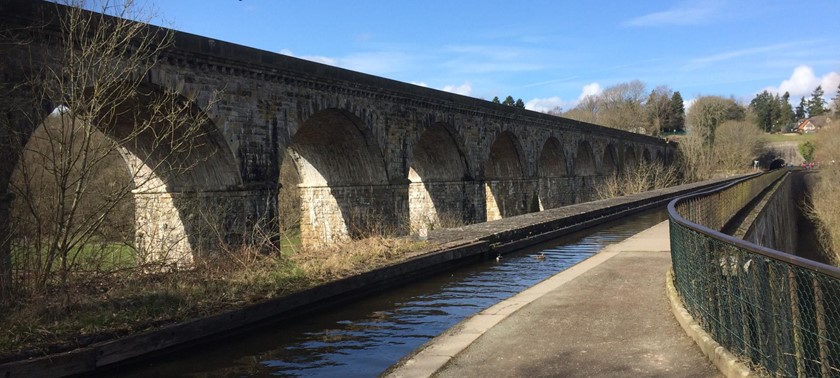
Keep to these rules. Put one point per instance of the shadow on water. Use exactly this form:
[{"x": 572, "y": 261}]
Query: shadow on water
[{"x": 364, "y": 338}]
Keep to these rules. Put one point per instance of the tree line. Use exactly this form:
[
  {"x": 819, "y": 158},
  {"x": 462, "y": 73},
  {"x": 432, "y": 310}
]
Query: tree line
[
  {"x": 624, "y": 106},
  {"x": 774, "y": 113},
  {"x": 509, "y": 102},
  {"x": 628, "y": 106}
]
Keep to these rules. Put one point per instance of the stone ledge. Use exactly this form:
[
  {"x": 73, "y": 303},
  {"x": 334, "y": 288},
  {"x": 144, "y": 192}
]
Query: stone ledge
[{"x": 726, "y": 362}]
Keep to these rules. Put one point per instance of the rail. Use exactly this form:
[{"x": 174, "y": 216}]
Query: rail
[{"x": 779, "y": 311}]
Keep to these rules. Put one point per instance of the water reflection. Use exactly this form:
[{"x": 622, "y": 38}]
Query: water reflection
[{"x": 366, "y": 337}]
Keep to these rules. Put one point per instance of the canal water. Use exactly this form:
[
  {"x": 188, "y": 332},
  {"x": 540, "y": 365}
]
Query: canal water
[{"x": 364, "y": 338}]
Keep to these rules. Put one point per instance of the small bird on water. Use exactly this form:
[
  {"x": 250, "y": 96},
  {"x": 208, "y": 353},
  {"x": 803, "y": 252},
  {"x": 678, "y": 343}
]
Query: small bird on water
[{"x": 498, "y": 258}]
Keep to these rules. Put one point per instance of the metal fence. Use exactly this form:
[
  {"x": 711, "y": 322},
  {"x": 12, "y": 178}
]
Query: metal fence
[{"x": 779, "y": 311}]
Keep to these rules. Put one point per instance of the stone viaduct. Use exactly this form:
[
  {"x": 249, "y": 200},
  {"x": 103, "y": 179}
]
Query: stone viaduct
[{"x": 369, "y": 151}]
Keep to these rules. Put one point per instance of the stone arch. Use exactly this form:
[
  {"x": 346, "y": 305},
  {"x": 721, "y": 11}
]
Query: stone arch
[
  {"x": 343, "y": 178},
  {"x": 173, "y": 164},
  {"x": 609, "y": 163},
  {"x": 585, "y": 160},
  {"x": 202, "y": 171},
  {"x": 552, "y": 174},
  {"x": 646, "y": 156},
  {"x": 629, "y": 158},
  {"x": 504, "y": 172},
  {"x": 437, "y": 175},
  {"x": 660, "y": 157}
]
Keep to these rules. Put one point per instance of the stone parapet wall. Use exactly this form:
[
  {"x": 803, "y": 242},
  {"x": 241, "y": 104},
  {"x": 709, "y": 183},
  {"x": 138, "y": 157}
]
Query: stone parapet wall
[{"x": 774, "y": 225}]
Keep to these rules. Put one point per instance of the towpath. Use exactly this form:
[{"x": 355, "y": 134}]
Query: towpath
[{"x": 607, "y": 316}]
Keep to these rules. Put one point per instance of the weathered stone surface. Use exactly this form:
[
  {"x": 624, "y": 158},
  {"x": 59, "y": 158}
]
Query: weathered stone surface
[{"x": 370, "y": 151}]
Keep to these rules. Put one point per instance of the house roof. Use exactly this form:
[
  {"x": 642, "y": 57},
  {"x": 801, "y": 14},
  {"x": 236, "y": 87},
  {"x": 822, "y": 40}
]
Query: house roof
[
  {"x": 820, "y": 121},
  {"x": 804, "y": 123},
  {"x": 816, "y": 122}
]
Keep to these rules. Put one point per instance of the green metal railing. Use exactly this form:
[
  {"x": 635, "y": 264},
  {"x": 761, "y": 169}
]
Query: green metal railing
[{"x": 779, "y": 311}]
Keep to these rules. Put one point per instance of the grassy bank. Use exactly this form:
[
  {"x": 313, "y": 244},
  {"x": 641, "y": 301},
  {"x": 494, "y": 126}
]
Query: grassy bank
[
  {"x": 105, "y": 306},
  {"x": 825, "y": 198},
  {"x": 791, "y": 137}
]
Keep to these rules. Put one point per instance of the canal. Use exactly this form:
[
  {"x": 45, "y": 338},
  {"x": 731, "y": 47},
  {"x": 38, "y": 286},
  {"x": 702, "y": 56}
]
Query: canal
[{"x": 366, "y": 337}]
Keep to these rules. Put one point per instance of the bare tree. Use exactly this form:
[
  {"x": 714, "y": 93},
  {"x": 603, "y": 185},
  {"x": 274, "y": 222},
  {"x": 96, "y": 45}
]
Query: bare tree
[
  {"x": 734, "y": 147},
  {"x": 623, "y": 106},
  {"x": 95, "y": 79},
  {"x": 737, "y": 144},
  {"x": 586, "y": 110},
  {"x": 620, "y": 106},
  {"x": 637, "y": 178},
  {"x": 658, "y": 109},
  {"x": 708, "y": 112},
  {"x": 288, "y": 200}
]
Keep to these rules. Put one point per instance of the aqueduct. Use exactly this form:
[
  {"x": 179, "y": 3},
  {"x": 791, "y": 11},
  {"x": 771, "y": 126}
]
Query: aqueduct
[{"x": 368, "y": 150}]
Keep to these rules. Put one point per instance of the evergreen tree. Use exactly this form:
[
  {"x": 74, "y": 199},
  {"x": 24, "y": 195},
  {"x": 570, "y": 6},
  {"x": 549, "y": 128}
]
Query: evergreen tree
[
  {"x": 816, "y": 106},
  {"x": 734, "y": 110},
  {"x": 520, "y": 104},
  {"x": 837, "y": 102},
  {"x": 801, "y": 108},
  {"x": 763, "y": 107},
  {"x": 509, "y": 101},
  {"x": 496, "y": 100},
  {"x": 788, "y": 117},
  {"x": 676, "y": 115}
]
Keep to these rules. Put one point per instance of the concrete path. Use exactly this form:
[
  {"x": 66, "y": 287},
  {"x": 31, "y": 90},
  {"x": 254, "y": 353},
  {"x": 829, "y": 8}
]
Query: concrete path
[{"x": 607, "y": 316}]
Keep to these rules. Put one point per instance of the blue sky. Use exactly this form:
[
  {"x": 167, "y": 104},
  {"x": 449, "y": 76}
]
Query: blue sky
[{"x": 548, "y": 53}]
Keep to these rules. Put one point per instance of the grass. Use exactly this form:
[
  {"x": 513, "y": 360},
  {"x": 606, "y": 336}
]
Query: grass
[
  {"x": 771, "y": 138},
  {"x": 290, "y": 241},
  {"x": 95, "y": 256},
  {"x": 126, "y": 302}
]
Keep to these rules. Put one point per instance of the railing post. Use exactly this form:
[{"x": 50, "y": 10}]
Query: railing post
[
  {"x": 825, "y": 364},
  {"x": 778, "y": 316},
  {"x": 797, "y": 323},
  {"x": 745, "y": 315}
]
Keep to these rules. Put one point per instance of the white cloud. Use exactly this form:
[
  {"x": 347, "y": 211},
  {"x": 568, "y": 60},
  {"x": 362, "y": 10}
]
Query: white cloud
[
  {"x": 687, "y": 103},
  {"x": 463, "y": 89},
  {"x": 729, "y": 55},
  {"x": 592, "y": 89},
  {"x": 549, "y": 103},
  {"x": 688, "y": 13},
  {"x": 312, "y": 58},
  {"x": 545, "y": 104},
  {"x": 420, "y": 83},
  {"x": 803, "y": 81}
]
